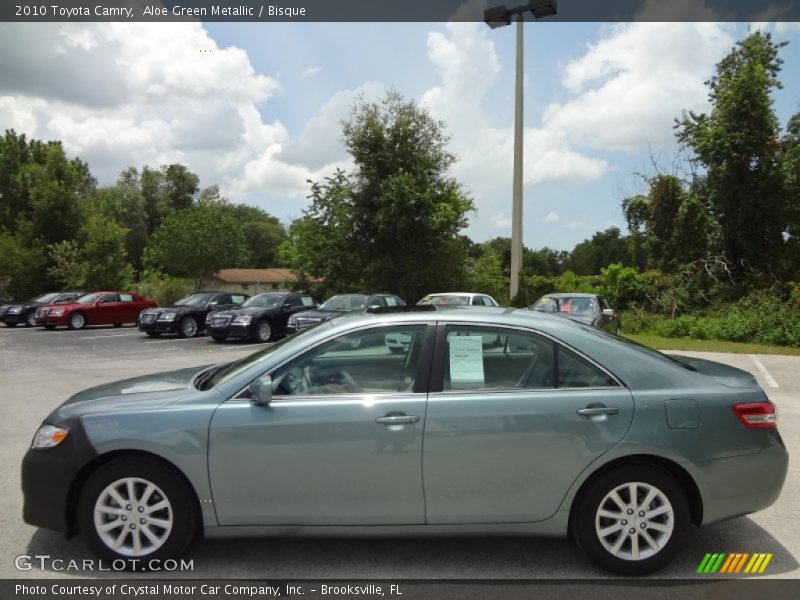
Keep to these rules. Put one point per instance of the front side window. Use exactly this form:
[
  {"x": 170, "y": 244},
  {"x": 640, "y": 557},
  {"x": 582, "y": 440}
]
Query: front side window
[
  {"x": 87, "y": 299},
  {"x": 109, "y": 298},
  {"x": 356, "y": 363}
]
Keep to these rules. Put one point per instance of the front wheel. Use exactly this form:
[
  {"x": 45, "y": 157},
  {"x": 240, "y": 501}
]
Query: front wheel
[
  {"x": 632, "y": 520},
  {"x": 77, "y": 321},
  {"x": 134, "y": 508},
  {"x": 187, "y": 327},
  {"x": 30, "y": 319},
  {"x": 263, "y": 331}
]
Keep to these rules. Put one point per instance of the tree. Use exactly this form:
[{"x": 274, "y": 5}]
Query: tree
[
  {"x": 67, "y": 266},
  {"x": 737, "y": 144},
  {"x": 263, "y": 234},
  {"x": 197, "y": 242},
  {"x": 485, "y": 275},
  {"x": 393, "y": 224},
  {"x": 604, "y": 248},
  {"x": 105, "y": 263}
]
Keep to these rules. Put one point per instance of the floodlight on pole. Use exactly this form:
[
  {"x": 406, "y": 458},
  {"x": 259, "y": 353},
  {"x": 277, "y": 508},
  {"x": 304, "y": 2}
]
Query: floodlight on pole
[{"x": 495, "y": 17}]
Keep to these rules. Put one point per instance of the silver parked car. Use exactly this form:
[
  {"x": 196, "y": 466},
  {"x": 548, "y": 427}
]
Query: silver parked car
[
  {"x": 494, "y": 421},
  {"x": 589, "y": 309}
]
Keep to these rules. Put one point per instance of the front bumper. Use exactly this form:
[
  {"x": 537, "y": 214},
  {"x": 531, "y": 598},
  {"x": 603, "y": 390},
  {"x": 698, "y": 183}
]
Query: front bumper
[
  {"x": 159, "y": 326},
  {"x": 48, "y": 475},
  {"x": 12, "y": 318},
  {"x": 234, "y": 331}
]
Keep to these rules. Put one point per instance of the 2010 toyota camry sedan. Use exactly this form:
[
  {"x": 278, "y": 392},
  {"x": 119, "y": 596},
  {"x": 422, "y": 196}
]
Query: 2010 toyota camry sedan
[{"x": 491, "y": 421}]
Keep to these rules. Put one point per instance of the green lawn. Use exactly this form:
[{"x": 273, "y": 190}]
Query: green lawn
[{"x": 662, "y": 343}]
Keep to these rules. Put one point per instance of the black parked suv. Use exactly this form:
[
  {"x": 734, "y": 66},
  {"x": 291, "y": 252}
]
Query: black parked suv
[
  {"x": 25, "y": 313},
  {"x": 261, "y": 318},
  {"x": 187, "y": 317},
  {"x": 340, "y": 304}
]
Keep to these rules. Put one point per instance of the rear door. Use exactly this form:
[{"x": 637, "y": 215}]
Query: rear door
[
  {"x": 507, "y": 428},
  {"x": 129, "y": 308}
]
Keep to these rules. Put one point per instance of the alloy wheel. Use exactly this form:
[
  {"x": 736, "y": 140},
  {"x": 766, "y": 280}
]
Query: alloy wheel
[
  {"x": 189, "y": 327},
  {"x": 133, "y": 517},
  {"x": 264, "y": 331}
]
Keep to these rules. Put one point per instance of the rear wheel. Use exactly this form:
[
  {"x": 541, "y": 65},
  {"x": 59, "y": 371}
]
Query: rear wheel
[
  {"x": 30, "y": 319},
  {"x": 134, "y": 508},
  {"x": 263, "y": 331},
  {"x": 632, "y": 520},
  {"x": 187, "y": 327},
  {"x": 77, "y": 321}
]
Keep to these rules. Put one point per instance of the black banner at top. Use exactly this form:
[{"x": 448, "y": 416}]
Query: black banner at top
[{"x": 394, "y": 10}]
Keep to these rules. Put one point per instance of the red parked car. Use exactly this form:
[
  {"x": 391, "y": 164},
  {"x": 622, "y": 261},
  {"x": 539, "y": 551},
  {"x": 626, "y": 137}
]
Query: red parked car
[{"x": 97, "y": 308}]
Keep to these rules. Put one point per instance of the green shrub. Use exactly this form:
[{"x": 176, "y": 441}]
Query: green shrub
[{"x": 164, "y": 289}]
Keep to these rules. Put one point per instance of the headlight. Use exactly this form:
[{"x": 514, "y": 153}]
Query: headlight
[
  {"x": 243, "y": 320},
  {"x": 48, "y": 436},
  {"x": 167, "y": 316},
  {"x": 56, "y": 312},
  {"x": 15, "y": 310}
]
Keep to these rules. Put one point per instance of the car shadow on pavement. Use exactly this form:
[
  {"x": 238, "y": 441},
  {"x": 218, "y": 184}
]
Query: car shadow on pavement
[{"x": 417, "y": 558}]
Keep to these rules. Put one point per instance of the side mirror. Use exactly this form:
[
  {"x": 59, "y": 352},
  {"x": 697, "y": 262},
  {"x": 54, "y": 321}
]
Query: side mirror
[
  {"x": 608, "y": 312},
  {"x": 261, "y": 390}
]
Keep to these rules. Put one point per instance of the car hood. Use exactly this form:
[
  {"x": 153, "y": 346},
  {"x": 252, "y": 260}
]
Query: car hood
[
  {"x": 234, "y": 312},
  {"x": 722, "y": 374},
  {"x": 320, "y": 314},
  {"x": 66, "y": 305},
  {"x": 155, "y": 390}
]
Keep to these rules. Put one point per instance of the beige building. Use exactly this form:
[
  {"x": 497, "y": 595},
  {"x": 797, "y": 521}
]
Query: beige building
[{"x": 252, "y": 281}]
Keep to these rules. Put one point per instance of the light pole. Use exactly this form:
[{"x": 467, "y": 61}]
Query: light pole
[{"x": 500, "y": 16}]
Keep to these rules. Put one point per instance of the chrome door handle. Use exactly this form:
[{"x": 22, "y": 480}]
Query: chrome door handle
[
  {"x": 595, "y": 411},
  {"x": 397, "y": 420}
]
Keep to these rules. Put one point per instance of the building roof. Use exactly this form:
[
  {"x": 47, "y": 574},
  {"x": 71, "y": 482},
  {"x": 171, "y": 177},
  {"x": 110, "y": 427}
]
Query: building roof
[{"x": 274, "y": 275}]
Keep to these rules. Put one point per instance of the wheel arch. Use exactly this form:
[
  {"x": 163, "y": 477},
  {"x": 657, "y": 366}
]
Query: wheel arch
[
  {"x": 93, "y": 465},
  {"x": 666, "y": 465}
]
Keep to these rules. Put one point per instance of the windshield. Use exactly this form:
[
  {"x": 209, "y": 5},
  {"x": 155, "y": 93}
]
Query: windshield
[
  {"x": 568, "y": 305},
  {"x": 45, "y": 298},
  {"x": 234, "y": 368},
  {"x": 264, "y": 301},
  {"x": 345, "y": 302},
  {"x": 446, "y": 300},
  {"x": 195, "y": 300},
  {"x": 86, "y": 299}
]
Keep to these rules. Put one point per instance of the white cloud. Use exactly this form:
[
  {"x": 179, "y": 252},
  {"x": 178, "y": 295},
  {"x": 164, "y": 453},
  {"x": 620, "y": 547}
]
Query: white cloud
[
  {"x": 311, "y": 71},
  {"x": 630, "y": 86},
  {"x": 552, "y": 217},
  {"x": 501, "y": 221}
]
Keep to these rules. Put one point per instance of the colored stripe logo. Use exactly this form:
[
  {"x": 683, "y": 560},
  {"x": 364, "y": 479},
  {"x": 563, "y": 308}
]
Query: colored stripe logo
[{"x": 734, "y": 563}]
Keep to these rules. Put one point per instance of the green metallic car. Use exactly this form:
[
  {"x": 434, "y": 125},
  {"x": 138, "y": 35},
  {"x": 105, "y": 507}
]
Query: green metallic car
[{"x": 492, "y": 421}]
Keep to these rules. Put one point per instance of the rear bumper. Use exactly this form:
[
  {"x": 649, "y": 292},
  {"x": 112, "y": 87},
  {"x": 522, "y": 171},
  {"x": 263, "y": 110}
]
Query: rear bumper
[{"x": 739, "y": 485}]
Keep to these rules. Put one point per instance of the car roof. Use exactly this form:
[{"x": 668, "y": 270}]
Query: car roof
[
  {"x": 455, "y": 294},
  {"x": 570, "y": 295}
]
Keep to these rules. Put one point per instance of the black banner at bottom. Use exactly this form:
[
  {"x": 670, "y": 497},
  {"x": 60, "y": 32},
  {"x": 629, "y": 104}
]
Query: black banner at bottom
[{"x": 229, "y": 589}]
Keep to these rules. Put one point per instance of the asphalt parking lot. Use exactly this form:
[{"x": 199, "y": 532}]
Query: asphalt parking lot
[{"x": 39, "y": 369}]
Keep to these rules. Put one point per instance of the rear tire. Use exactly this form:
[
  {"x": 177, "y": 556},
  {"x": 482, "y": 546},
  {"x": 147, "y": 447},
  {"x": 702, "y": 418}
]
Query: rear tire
[
  {"x": 632, "y": 537},
  {"x": 77, "y": 321},
  {"x": 157, "y": 519}
]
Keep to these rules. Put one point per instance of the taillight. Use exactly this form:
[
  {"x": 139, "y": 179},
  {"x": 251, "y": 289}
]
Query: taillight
[{"x": 757, "y": 415}]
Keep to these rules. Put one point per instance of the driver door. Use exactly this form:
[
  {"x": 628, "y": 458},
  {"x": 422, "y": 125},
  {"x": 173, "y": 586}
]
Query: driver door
[{"x": 339, "y": 444}]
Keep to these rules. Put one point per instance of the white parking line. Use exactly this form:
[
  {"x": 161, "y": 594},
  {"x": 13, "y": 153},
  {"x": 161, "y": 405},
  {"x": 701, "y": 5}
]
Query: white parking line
[
  {"x": 170, "y": 340},
  {"x": 110, "y": 335},
  {"x": 763, "y": 370}
]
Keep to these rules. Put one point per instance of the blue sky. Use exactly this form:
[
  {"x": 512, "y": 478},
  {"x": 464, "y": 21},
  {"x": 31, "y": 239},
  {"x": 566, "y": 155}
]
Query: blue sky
[{"x": 255, "y": 108}]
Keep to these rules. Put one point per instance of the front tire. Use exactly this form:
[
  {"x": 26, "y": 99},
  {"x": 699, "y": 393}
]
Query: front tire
[
  {"x": 30, "y": 319},
  {"x": 187, "y": 327},
  {"x": 632, "y": 520},
  {"x": 77, "y": 321},
  {"x": 263, "y": 331},
  {"x": 134, "y": 508}
]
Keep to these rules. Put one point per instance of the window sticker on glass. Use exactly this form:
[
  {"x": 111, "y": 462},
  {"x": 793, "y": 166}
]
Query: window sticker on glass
[
  {"x": 307, "y": 301},
  {"x": 466, "y": 359},
  {"x": 390, "y": 301}
]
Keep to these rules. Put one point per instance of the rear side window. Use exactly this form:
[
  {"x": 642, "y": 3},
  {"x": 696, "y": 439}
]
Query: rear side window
[
  {"x": 292, "y": 301},
  {"x": 238, "y": 298},
  {"x": 576, "y": 372},
  {"x": 126, "y": 297},
  {"x": 479, "y": 358},
  {"x": 307, "y": 301},
  {"x": 391, "y": 301}
]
